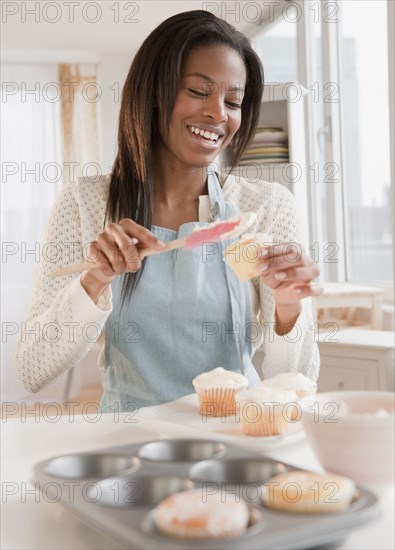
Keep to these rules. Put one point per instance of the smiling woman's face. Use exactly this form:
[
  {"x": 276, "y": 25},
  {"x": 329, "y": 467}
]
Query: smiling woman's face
[{"x": 208, "y": 102}]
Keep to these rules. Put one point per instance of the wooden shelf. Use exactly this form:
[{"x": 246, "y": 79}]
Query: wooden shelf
[{"x": 348, "y": 298}]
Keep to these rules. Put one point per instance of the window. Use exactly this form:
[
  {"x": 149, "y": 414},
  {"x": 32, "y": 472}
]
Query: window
[
  {"x": 31, "y": 151},
  {"x": 366, "y": 148},
  {"x": 277, "y": 49},
  {"x": 31, "y": 162}
]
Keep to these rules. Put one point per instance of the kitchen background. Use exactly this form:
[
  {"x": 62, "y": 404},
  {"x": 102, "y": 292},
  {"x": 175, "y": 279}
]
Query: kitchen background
[{"x": 329, "y": 74}]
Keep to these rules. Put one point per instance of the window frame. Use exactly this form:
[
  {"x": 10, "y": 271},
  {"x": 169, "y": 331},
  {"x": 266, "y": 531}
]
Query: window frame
[
  {"x": 389, "y": 291},
  {"x": 387, "y": 287}
]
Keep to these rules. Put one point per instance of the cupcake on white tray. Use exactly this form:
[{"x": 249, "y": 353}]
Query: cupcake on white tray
[
  {"x": 217, "y": 390},
  {"x": 265, "y": 411}
]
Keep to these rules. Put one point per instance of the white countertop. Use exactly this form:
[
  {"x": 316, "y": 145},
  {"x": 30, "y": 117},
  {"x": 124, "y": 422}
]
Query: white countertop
[{"x": 29, "y": 522}]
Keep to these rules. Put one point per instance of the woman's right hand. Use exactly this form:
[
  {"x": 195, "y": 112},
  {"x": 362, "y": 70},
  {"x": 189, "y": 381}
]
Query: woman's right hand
[{"x": 116, "y": 251}]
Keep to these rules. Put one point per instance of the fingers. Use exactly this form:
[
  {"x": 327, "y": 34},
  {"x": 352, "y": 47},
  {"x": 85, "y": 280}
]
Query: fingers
[
  {"x": 141, "y": 233},
  {"x": 111, "y": 245},
  {"x": 102, "y": 268},
  {"x": 287, "y": 270},
  {"x": 283, "y": 257},
  {"x": 298, "y": 274},
  {"x": 287, "y": 262},
  {"x": 115, "y": 248},
  {"x": 292, "y": 293},
  {"x": 120, "y": 249},
  {"x": 307, "y": 290}
]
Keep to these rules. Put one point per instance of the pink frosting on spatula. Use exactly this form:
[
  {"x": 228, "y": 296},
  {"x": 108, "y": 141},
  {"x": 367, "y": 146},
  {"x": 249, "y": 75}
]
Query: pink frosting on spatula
[{"x": 210, "y": 234}]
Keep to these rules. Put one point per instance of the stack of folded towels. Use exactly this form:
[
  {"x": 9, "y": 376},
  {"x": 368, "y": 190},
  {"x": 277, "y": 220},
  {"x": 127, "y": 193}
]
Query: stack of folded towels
[{"x": 270, "y": 145}]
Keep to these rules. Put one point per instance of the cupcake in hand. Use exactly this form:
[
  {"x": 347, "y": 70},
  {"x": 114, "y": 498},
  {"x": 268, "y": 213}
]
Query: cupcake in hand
[
  {"x": 244, "y": 256},
  {"x": 217, "y": 391}
]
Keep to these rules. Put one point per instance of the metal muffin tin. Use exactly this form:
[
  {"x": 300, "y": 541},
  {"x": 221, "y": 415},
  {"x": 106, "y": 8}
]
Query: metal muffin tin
[{"x": 115, "y": 490}]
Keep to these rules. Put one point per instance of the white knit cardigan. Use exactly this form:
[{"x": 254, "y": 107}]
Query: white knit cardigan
[{"x": 63, "y": 323}]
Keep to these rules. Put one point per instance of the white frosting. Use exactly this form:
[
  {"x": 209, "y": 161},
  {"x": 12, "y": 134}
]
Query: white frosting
[
  {"x": 265, "y": 395},
  {"x": 220, "y": 378},
  {"x": 290, "y": 381}
]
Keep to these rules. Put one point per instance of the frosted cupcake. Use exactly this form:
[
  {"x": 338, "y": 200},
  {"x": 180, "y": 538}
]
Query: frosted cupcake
[
  {"x": 291, "y": 381},
  {"x": 307, "y": 492},
  {"x": 266, "y": 411},
  {"x": 216, "y": 391},
  {"x": 244, "y": 256},
  {"x": 187, "y": 515}
]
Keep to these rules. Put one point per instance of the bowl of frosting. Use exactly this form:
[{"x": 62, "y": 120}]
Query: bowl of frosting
[{"x": 352, "y": 433}]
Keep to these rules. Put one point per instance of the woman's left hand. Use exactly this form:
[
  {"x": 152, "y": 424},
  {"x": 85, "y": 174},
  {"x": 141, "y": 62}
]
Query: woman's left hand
[{"x": 288, "y": 271}]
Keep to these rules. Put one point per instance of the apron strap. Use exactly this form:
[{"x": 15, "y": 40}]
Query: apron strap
[{"x": 239, "y": 292}]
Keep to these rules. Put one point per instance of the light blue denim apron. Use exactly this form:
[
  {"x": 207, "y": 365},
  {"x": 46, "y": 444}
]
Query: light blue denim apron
[{"x": 187, "y": 315}]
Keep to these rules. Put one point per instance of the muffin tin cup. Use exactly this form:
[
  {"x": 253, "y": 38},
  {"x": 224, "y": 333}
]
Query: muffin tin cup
[
  {"x": 91, "y": 465},
  {"x": 181, "y": 450},
  {"x": 129, "y": 491},
  {"x": 236, "y": 470},
  {"x": 116, "y": 491}
]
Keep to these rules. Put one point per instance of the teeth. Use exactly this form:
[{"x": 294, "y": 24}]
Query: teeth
[{"x": 204, "y": 133}]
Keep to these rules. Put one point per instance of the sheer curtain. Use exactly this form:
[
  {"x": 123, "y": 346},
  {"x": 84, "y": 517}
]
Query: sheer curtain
[
  {"x": 37, "y": 147},
  {"x": 79, "y": 99}
]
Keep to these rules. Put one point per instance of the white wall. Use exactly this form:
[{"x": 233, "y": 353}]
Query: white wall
[{"x": 112, "y": 73}]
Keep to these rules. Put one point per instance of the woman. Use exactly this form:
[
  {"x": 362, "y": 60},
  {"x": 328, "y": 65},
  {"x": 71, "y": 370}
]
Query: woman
[{"x": 194, "y": 87}]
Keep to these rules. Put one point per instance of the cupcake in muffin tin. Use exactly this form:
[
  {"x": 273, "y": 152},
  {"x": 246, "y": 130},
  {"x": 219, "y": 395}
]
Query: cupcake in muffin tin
[
  {"x": 190, "y": 515},
  {"x": 309, "y": 493}
]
